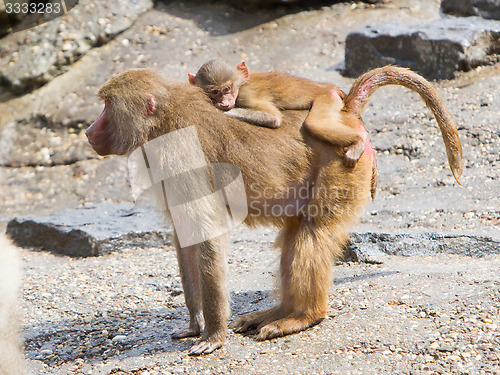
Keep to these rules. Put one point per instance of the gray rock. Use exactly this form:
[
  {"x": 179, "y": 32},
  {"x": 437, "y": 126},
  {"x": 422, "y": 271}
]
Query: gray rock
[
  {"x": 446, "y": 348},
  {"x": 371, "y": 247},
  {"x": 120, "y": 339},
  {"x": 101, "y": 229},
  {"x": 254, "y": 5},
  {"x": 32, "y": 57},
  {"x": 91, "y": 230},
  {"x": 436, "y": 50},
  {"x": 483, "y": 8}
]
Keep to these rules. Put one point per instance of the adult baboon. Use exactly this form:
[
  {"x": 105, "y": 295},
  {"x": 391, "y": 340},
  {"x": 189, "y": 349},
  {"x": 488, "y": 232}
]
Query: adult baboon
[{"x": 140, "y": 105}]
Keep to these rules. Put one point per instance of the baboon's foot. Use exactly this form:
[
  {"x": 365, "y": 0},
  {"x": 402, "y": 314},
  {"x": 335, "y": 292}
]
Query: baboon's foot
[
  {"x": 287, "y": 326},
  {"x": 254, "y": 320},
  {"x": 274, "y": 323},
  {"x": 205, "y": 347},
  {"x": 196, "y": 326},
  {"x": 352, "y": 154},
  {"x": 188, "y": 332}
]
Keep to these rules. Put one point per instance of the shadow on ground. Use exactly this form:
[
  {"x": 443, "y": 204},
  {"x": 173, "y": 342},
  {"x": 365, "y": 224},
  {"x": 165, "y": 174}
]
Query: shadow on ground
[{"x": 121, "y": 334}]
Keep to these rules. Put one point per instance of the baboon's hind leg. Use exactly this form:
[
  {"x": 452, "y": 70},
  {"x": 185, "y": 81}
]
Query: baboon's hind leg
[{"x": 307, "y": 253}]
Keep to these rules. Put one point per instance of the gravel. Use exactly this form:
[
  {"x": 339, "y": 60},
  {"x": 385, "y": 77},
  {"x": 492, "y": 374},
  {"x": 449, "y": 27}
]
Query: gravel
[{"x": 114, "y": 315}]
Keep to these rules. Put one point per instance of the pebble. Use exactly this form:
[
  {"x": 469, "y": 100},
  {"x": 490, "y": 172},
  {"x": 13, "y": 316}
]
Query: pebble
[
  {"x": 434, "y": 345},
  {"x": 445, "y": 348},
  {"x": 119, "y": 339}
]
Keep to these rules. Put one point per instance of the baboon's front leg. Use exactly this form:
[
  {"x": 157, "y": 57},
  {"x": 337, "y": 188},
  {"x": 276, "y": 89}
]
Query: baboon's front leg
[
  {"x": 187, "y": 258},
  {"x": 212, "y": 270}
]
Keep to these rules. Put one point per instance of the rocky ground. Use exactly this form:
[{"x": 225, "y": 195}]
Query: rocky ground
[
  {"x": 113, "y": 314},
  {"x": 410, "y": 315}
]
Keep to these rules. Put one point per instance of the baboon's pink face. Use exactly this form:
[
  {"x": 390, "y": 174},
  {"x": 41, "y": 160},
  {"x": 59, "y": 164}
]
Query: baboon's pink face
[{"x": 224, "y": 98}]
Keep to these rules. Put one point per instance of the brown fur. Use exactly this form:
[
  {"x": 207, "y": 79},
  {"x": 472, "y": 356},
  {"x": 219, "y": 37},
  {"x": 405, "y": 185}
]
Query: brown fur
[{"x": 274, "y": 164}]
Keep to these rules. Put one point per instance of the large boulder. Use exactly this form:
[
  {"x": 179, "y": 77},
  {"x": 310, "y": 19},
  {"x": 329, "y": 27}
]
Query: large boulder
[
  {"x": 483, "y": 8},
  {"x": 91, "y": 230},
  {"x": 436, "y": 50},
  {"x": 32, "y": 57}
]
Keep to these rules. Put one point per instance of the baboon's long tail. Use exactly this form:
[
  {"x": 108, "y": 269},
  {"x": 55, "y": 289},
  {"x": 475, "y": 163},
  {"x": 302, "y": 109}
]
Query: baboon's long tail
[{"x": 365, "y": 85}]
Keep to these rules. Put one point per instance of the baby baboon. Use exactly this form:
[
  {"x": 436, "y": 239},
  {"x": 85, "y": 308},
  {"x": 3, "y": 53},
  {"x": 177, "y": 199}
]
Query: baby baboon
[{"x": 259, "y": 97}]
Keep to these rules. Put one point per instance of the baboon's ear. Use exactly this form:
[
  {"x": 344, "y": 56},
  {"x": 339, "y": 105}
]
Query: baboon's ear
[
  {"x": 242, "y": 67},
  {"x": 192, "y": 79}
]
